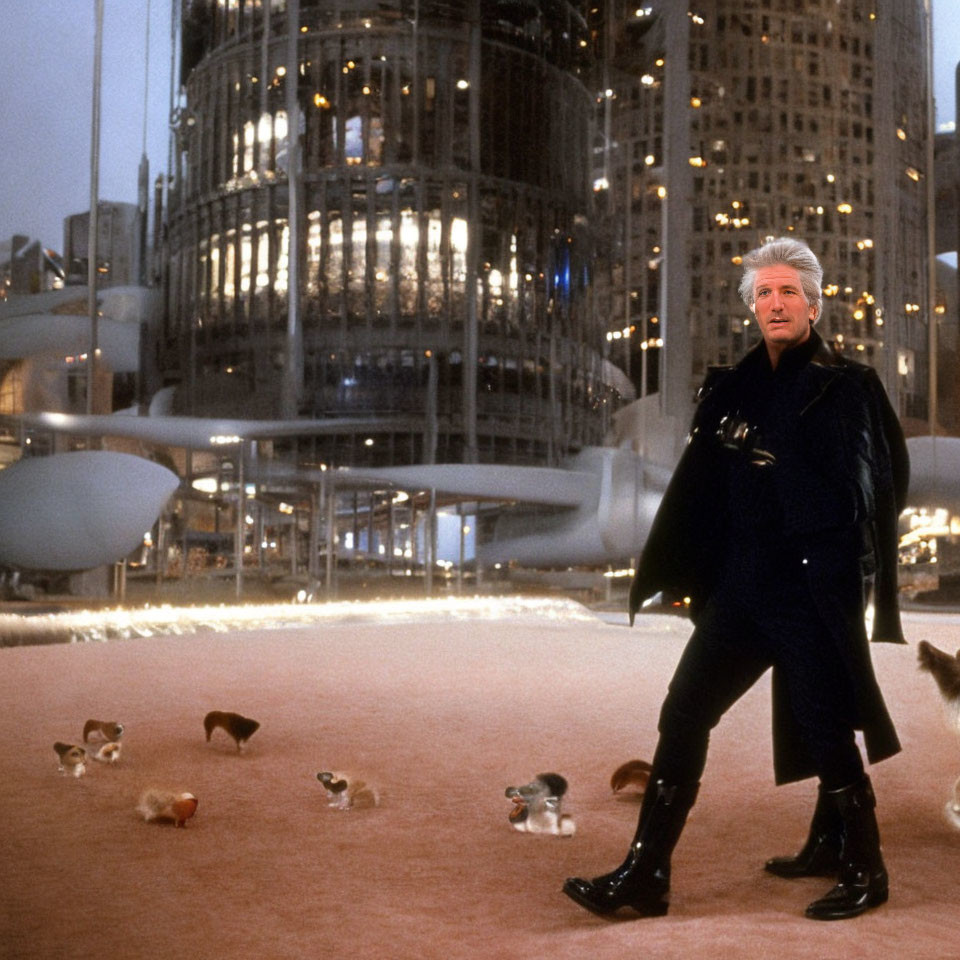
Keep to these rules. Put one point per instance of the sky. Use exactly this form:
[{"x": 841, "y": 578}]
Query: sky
[{"x": 46, "y": 87}]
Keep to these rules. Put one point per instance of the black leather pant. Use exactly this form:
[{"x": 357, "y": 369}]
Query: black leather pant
[{"x": 734, "y": 643}]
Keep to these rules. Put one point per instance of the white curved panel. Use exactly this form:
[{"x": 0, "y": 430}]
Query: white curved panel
[
  {"x": 64, "y": 334},
  {"x": 73, "y": 511},
  {"x": 199, "y": 432},
  {"x": 934, "y": 472},
  {"x": 562, "y": 487}
]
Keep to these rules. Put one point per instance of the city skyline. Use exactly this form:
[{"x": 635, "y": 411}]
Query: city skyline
[{"x": 50, "y": 105}]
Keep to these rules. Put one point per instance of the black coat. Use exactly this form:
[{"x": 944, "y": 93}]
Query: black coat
[{"x": 840, "y": 494}]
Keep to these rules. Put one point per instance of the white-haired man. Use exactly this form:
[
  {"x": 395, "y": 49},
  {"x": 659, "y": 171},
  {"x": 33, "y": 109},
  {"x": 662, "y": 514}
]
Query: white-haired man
[{"x": 780, "y": 517}]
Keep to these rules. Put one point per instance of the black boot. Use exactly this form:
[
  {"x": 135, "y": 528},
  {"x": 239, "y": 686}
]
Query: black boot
[
  {"x": 820, "y": 856},
  {"x": 642, "y": 881},
  {"x": 863, "y": 877}
]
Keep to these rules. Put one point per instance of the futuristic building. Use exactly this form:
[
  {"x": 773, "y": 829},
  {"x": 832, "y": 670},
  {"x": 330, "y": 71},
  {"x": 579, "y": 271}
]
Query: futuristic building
[
  {"x": 383, "y": 210},
  {"x": 723, "y": 122},
  {"x": 119, "y": 226}
]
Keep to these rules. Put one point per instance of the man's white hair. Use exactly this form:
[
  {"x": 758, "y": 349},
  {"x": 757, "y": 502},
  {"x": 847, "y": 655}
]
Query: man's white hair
[{"x": 792, "y": 253}]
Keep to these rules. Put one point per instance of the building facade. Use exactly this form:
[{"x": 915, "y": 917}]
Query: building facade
[
  {"x": 724, "y": 122},
  {"x": 119, "y": 227},
  {"x": 431, "y": 161}
]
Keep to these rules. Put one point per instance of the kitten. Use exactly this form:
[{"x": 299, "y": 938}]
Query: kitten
[
  {"x": 347, "y": 792},
  {"x": 165, "y": 806},
  {"x": 945, "y": 671},
  {"x": 104, "y": 729},
  {"x": 537, "y": 806},
  {"x": 72, "y": 758},
  {"x": 634, "y": 773},
  {"x": 107, "y": 752},
  {"x": 238, "y": 727}
]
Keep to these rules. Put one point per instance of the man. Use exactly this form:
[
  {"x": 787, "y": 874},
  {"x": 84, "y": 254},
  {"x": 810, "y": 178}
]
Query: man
[{"x": 780, "y": 515}]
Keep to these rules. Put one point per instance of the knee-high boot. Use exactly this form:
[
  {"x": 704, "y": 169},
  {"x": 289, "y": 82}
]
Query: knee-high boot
[
  {"x": 642, "y": 881},
  {"x": 820, "y": 855},
  {"x": 862, "y": 881}
]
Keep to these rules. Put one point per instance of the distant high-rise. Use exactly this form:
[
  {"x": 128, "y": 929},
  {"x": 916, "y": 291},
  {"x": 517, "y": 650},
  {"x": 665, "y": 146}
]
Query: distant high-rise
[
  {"x": 438, "y": 187},
  {"x": 723, "y": 122},
  {"x": 118, "y": 245}
]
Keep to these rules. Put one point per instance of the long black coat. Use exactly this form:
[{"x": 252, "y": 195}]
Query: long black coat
[{"x": 840, "y": 500}]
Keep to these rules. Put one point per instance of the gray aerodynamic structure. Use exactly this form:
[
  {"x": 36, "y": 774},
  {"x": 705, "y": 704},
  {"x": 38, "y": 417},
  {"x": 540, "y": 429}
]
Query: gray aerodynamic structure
[
  {"x": 79, "y": 510},
  {"x": 74, "y": 511}
]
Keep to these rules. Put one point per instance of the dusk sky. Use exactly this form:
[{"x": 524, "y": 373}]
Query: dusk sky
[{"x": 46, "y": 80}]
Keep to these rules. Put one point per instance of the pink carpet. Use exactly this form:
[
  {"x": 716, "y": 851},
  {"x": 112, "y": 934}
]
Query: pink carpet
[{"x": 442, "y": 716}]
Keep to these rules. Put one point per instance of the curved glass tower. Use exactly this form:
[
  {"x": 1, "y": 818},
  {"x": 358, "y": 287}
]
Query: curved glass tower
[{"x": 381, "y": 210}]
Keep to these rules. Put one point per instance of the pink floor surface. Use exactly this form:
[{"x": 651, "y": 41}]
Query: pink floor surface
[{"x": 442, "y": 716}]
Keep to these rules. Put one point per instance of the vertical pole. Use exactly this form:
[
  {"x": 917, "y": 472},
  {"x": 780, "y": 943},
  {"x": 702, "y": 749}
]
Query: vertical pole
[
  {"x": 676, "y": 364},
  {"x": 94, "y": 347},
  {"x": 293, "y": 369},
  {"x": 331, "y": 538},
  {"x": 932, "y": 345},
  {"x": 241, "y": 519},
  {"x": 474, "y": 231},
  {"x": 371, "y": 526},
  {"x": 316, "y": 505},
  {"x": 356, "y": 528},
  {"x": 294, "y": 546},
  {"x": 160, "y": 549},
  {"x": 627, "y": 154},
  {"x": 430, "y": 542},
  {"x": 462, "y": 549}
]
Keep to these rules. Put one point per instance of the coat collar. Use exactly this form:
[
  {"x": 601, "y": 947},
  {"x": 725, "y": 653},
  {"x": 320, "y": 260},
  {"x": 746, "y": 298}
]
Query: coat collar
[{"x": 815, "y": 363}]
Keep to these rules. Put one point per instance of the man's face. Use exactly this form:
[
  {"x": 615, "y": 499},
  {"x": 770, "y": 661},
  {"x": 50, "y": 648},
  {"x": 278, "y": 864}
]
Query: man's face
[{"x": 782, "y": 311}]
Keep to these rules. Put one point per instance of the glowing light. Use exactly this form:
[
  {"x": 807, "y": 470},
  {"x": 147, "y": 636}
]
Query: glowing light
[
  {"x": 205, "y": 484},
  {"x": 844, "y": 208},
  {"x": 662, "y": 193},
  {"x": 119, "y": 624},
  {"x": 463, "y": 84},
  {"x": 647, "y": 80},
  {"x": 696, "y": 103},
  {"x": 913, "y": 173},
  {"x": 901, "y": 133},
  {"x": 697, "y": 162},
  {"x": 649, "y": 159}
]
